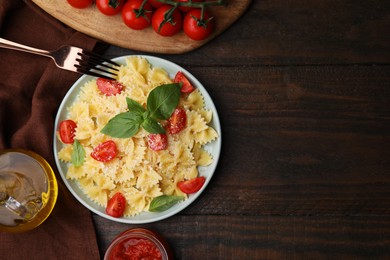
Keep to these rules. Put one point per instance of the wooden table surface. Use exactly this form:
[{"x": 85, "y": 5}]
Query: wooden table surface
[{"x": 302, "y": 89}]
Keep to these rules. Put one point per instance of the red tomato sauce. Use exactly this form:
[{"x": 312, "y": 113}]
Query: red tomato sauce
[{"x": 135, "y": 249}]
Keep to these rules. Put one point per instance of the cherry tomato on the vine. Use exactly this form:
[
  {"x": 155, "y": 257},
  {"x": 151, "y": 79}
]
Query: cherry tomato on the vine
[
  {"x": 197, "y": 28},
  {"x": 110, "y": 7},
  {"x": 155, "y": 3},
  {"x": 135, "y": 17},
  {"x": 109, "y": 87},
  {"x": 67, "y": 130},
  {"x": 167, "y": 27},
  {"x": 105, "y": 152},
  {"x": 116, "y": 205},
  {"x": 80, "y": 3},
  {"x": 187, "y": 8},
  {"x": 191, "y": 186}
]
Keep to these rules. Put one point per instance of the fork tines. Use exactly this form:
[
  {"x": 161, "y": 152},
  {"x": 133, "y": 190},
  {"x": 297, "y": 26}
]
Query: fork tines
[{"x": 96, "y": 65}]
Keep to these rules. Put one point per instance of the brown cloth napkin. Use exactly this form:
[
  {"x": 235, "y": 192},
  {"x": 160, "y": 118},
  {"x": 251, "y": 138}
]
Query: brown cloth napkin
[{"x": 31, "y": 89}]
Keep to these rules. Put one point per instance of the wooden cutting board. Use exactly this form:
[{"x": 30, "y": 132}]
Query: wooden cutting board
[{"x": 111, "y": 29}]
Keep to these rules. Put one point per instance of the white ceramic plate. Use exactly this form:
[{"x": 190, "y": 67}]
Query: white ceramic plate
[{"x": 146, "y": 217}]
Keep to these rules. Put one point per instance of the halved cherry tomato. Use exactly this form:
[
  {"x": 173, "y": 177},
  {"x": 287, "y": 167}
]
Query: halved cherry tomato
[
  {"x": 157, "y": 142},
  {"x": 67, "y": 131},
  {"x": 191, "y": 186},
  {"x": 197, "y": 28},
  {"x": 168, "y": 27},
  {"x": 110, "y": 7},
  {"x": 186, "y": 87},
  {"x": 155, "y": 3},
  {"x": 177, "y": 121},
  {"x": 80, "y": 3},
  {"x": 187, "y": 8},
  {"x": 116, "y": 205},
  {"x": 109, "y": 87},
  {"x": 137, "y": 18},
  {"x": 105, "y": 152}
]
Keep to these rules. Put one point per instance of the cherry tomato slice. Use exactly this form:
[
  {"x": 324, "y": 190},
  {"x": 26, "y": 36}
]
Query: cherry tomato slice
[
  {"x": 116, "y": 205},
  {"x": 191, "y": 186},
  {"x": 105, "y": 152},
  {"x": 157, "y": 142},
  {"x": 109, "y": 87},
  {"x": 186, "y": 87},
  {"x": 67, "y": 131},
  {"x": 177, "y": 121},
  {"x": 80, "y": 3}
]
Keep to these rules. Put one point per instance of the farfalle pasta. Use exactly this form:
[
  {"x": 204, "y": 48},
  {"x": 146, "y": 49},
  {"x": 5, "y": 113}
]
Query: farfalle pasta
[{"x": 138, "y": 172}]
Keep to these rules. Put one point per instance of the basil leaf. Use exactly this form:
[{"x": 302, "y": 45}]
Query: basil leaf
[
  {"x": 123, "y": 125},
  {"x": 152, "y": 126},
  {"x": 134, "y": 106},
  {"x": 164, "y": 202},
  {"x": 163, "y": 100},
  {"x": 78, "y": 154}
]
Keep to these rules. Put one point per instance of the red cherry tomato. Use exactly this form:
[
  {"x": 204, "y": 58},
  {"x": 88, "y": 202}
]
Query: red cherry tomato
[
  {"x": 195, "y": 28},
  {"x": 110, "y": 7},
  {"x": 109, "y": 87},
  {"x": 67, "y": 131},
  {"x": 155, "y": 3},
  {"x": 157, "y": 142},
  {"x": 80, "y": 3},
  {"x": 135, "y": 18},
  {"x": 186, "y": 86},
  {"x": 116, "y": 205},
  {"x": 191, "y": 186},
  {"x": 170, "y": 27},
  {"x": 105, "y": 152},
  {"x": 177, "y": 121},
  {"x": 187, "y": 8}
]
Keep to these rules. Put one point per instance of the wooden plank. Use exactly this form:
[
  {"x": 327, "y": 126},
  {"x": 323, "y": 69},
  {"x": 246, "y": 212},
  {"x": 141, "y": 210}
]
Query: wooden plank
[
  {"x": 304, "y": 140},
  {"x": 300, "y": 33},
  {"x": 310, "y": 32},
  {"x": 111, "y": 29},
  {"x": 266, "y": 237}
]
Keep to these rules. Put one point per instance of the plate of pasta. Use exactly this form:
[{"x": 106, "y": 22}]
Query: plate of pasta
[{"x": 147, "y": 179}]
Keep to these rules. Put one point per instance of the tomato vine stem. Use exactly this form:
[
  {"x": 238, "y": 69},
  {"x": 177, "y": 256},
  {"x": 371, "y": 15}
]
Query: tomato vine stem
[
  {"x": 113, "y": 3},
  {"x": 141, "y": 11},
  {"x": 201, "y": 5},
  {"x": 193, "y": 4},
  {"x": 168, "y": 16}
]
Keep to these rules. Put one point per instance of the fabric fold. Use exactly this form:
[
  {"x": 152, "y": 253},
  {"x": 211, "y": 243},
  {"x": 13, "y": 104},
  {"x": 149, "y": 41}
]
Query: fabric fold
[{"x": 31, "y": 90}]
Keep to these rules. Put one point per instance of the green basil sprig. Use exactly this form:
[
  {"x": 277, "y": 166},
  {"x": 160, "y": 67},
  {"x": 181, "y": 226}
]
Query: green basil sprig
[
  {"x": 160, "y": 104},
  {"x": 164, "y": 202}
]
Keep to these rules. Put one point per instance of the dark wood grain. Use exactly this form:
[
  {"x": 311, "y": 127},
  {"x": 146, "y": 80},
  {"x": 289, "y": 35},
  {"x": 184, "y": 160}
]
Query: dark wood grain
[
  {"x": 268, "y": 237},
  {"x": 300, "y": 32},
  {"x": 302, "y": 91},
  {"x": 303, "y": 140}
]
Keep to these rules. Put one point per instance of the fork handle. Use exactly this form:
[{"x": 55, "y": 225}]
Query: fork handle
[{"x": 20, "y": 47}]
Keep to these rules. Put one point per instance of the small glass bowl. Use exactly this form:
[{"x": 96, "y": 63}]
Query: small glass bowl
[
  {"x": 132, "y": 237},
  {"x": 32, "y": 165}
]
